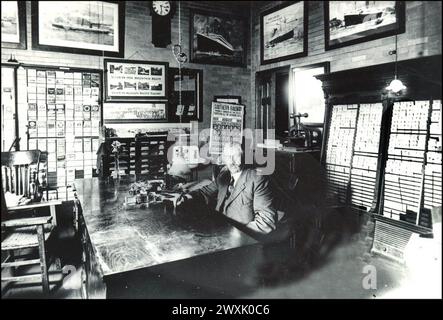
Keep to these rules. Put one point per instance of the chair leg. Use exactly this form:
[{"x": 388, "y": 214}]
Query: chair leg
[
  {"x": 76, "y": 205},
  {"x": 53, "y": 211},
  {"x": 12, "y": 258},
  {"x": 43, "y": 263},
  {"x": 13, "y": 272},
  {"x": 58, "y": 264}
]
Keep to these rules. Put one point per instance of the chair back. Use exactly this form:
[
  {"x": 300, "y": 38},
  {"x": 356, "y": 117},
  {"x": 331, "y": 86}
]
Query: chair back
[
  {"x": 4, "y": 208},
  {"x": 19, "y": 172}
]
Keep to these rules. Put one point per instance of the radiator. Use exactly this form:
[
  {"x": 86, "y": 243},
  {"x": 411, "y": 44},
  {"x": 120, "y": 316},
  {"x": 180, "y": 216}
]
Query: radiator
[{"x": 390, "y": 241}]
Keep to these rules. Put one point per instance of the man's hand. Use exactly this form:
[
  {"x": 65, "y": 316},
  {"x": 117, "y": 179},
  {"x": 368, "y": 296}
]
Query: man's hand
[{"x": 181, "y": 199}]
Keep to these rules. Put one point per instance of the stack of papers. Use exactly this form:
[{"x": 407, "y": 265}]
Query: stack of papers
[{"x": 13, "y": 200}]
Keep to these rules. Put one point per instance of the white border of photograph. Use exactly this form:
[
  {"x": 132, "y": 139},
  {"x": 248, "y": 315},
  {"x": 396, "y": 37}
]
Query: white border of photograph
[
  {"x": 123, "y": 84},
  {"x": 284, "y": 26},
  {"x": 65, "y": 9},
  {"x": 10, "y": 7}
]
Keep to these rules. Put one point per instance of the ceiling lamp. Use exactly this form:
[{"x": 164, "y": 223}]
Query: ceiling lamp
[{"x": 396, "y": 85}]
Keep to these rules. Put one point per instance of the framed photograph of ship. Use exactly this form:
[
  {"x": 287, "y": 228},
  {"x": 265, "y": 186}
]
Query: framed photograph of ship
[
  {"x": 284, "y": 32},
  {"x": 217, "y": 39},
  {"x": 351, "y": 22},
  {"x": 134, "y": 80},
  {"x": 155, "y": 111},
  {"x": 14, "y": 24},
  {"x": 85, "y": 27}
]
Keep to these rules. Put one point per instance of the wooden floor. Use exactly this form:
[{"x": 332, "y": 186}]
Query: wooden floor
[
  {"x": 339, "y": 275},
  {"x": 335, "y": 270}
]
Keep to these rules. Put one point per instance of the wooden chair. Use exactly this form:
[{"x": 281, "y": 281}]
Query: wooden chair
[{"x": 23, "y": 226}]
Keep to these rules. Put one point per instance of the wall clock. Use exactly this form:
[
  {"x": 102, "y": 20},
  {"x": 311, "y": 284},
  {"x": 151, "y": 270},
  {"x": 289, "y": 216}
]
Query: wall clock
[{"x": 162, "y": 13}]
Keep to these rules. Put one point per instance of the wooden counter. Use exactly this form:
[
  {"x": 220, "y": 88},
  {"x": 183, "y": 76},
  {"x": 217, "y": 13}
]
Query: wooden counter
[{"x": 117, "y": 242}]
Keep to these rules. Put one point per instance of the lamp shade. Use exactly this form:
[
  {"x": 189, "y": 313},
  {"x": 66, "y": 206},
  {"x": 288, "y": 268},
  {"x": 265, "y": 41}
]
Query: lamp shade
[{"x": 396, "y": 86}]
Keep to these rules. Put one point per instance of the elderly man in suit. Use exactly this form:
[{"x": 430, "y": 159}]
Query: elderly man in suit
[{"x": 240, "y": 193}]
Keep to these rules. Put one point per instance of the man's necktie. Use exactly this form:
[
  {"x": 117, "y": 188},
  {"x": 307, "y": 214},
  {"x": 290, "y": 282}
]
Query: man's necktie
[
  {"x": 228, "y": 191},
  {"x": 230, "y": 187}
]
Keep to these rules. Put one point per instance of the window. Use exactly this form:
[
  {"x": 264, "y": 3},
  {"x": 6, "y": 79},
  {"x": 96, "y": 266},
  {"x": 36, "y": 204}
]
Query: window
[{"x": 306, "y": 94}]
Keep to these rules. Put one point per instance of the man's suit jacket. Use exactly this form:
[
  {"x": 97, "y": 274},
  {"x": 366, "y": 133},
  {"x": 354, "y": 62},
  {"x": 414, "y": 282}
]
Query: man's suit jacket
[{"x": 251, "y": 203}]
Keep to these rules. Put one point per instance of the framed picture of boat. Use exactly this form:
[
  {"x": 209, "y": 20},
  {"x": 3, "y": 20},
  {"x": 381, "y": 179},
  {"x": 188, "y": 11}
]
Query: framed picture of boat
[
  {"x": 351, "y": 22},
  {"x": 134, "y": 80},
  {"x": 84, "y": 27},
  {"x": 284, "y": 32},
  {"x": 14, "y": 24},
  {"x": 217, "y": 39}
]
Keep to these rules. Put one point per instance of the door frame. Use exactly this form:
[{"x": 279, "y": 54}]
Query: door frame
[
  {"x": 16, "y": 134},
  {"x": 259, "y": 77}
]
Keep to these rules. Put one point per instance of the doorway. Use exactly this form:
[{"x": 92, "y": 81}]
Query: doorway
[
  {"x": 8, "y": 110},
  {"x": 281, "y": 104},
  {"x": 272, "y": 109},
  {"x": 264, "y": 103}
]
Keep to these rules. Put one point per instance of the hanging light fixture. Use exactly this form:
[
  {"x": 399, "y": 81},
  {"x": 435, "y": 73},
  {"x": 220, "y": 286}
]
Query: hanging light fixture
[
  {"x": 180, "y": 57},
  {"x": 179, "y": 169},
  {"x": 396, "y": 85},
  {"x": 177, "y": 48}
]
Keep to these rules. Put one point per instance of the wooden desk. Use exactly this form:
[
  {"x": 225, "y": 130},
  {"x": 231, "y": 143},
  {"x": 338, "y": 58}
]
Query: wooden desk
[{"x": 121, "y": 247}]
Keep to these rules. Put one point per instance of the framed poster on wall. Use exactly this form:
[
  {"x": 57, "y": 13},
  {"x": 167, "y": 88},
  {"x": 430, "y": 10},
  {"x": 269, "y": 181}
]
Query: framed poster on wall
[
  {"x": 226, "y": 125},
  {"x": 128, "y": 80},
  {"x": 86, "y": 27},
  {"x": 185, "y": 95},
  {"x": 135, "y": 112},
  {"x": 14, "y": 24},
  {"x": 284, "y": 32}
]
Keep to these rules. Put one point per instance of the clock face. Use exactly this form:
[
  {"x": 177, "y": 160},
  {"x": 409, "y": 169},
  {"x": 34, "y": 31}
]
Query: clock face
[{"x": 162, "y": 8}]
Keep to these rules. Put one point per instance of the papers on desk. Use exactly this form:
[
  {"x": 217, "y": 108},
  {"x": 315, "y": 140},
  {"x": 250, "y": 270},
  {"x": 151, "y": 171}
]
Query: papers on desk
[
  {"x": 188, "y": 154},
  {"x": 171, "y": 199},
  {"x": 194, "y": 185},
  {"x": 270, "y": 144},
  {"x": 13, "y": 200},
  {"x": 172, "y": 196}
]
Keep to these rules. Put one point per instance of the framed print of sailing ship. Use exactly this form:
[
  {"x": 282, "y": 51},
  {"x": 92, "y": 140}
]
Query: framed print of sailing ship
[
  {"x": 88, "y": 27},
  {"x": 351, "y": 22},
  {"x": 217, "y": 39},
  {"x": 14, "y": 24},
  {"x": 284, "y": 32}
]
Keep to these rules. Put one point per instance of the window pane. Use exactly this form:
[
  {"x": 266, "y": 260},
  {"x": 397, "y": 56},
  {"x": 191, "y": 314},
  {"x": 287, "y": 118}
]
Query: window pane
[{"x": 308, "y": 94}]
